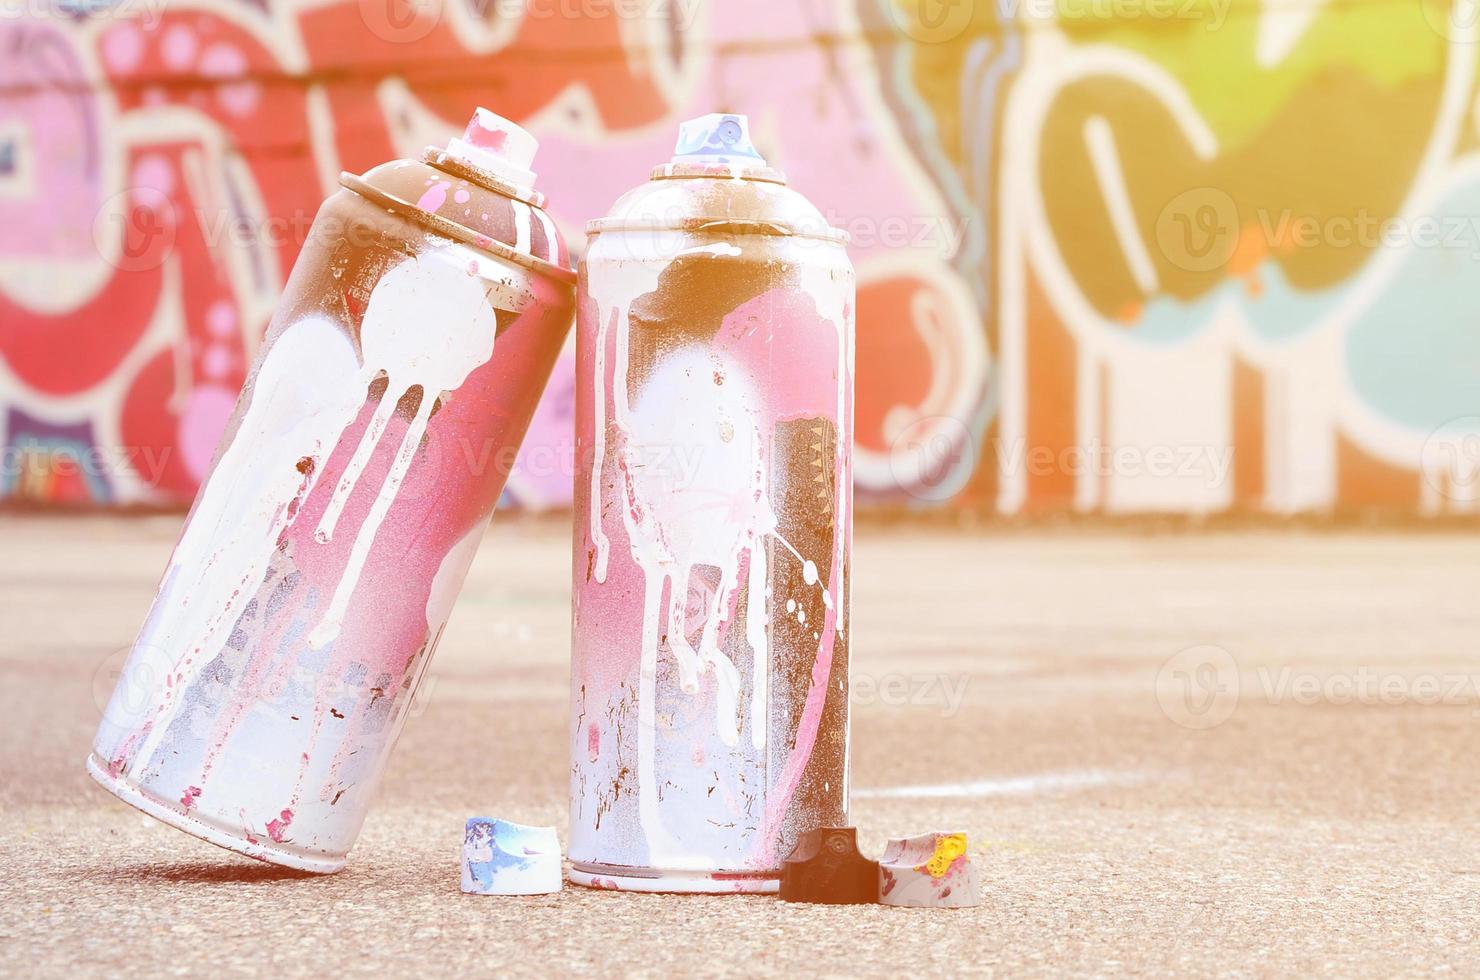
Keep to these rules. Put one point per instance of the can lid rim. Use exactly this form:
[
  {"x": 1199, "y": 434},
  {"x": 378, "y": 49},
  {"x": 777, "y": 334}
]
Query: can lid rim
[
  {"x": 442, "y": 160},
  {"x": 703, "y": 223},
  {"x": 718, "y": 169},
  {"x": 453, "y": 230}
]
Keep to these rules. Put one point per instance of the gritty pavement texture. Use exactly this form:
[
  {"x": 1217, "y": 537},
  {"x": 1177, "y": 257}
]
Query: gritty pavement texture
[{"x": 1235, "y": 753}]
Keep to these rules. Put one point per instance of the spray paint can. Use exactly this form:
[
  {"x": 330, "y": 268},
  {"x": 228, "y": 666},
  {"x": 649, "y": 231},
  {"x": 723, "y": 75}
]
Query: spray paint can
[
  {"x": 348, "y": 495},
  {"x": 713, "y": 505}
]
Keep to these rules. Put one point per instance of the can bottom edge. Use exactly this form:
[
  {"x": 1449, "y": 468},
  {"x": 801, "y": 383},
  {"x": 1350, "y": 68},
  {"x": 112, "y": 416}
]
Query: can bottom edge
[
  {"x": 632, "y": 879},
  {"x": 270, "y": 853}
]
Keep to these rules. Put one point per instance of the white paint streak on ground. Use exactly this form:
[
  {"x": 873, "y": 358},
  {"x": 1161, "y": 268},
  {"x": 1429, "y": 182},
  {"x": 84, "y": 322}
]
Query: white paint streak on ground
[{"x": 1041, "y": 784}]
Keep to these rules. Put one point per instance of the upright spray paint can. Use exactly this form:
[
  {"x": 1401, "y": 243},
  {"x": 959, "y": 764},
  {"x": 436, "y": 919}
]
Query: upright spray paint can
[
  {"x": 318, "y": 565},
  {"x": 713, "y": 504}
]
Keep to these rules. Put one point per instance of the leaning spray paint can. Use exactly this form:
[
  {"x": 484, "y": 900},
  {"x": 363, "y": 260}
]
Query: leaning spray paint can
[
  {"x": 713, "y": 504},
  {"x": 321, "y": 558}
]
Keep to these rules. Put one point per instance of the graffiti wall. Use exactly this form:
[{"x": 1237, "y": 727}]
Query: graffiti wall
[{"x": 1114, "y": 256}]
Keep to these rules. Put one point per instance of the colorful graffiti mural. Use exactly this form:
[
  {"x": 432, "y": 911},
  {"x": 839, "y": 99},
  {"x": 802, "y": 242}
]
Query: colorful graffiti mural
[{"x": 1114, "y": 256}]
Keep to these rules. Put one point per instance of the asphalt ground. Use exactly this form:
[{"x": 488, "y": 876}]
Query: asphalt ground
[{"x": 1246, "y": 753}]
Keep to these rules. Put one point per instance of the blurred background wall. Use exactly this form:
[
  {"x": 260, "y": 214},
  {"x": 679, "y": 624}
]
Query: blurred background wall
[{"x": 1115, "y": 256}]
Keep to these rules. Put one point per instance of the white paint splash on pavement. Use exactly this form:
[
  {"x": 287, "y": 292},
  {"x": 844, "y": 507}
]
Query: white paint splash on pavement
[{"x": 1015, "y": 786}]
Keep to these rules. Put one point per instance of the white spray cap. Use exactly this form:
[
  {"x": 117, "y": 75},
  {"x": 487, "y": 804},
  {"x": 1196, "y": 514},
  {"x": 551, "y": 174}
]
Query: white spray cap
[
  {"x": 497, "y": 145},
  {"x": 719, "y": 134}
]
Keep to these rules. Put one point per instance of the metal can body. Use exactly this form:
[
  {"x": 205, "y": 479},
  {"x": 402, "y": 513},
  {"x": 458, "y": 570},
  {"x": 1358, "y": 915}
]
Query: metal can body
[
  {"x": 713, "y": 507},
  {"x": 320, "y": 561}
]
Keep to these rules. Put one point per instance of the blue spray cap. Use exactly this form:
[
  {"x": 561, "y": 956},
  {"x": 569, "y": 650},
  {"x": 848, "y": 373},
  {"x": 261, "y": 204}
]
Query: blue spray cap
[{"x": 715, "y": 136}]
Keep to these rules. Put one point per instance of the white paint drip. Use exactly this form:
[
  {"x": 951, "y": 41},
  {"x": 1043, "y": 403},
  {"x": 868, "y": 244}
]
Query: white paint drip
[
  {"x": 599, "y": 539},
  {"x": 663, "y": 849},
  {"x": 328, "y": 628},
  {"x": 712, "y": 516},
  {"x": 809, "y": 575},
  {"x": 758, "y": 636},
  {"x": 615, "y": 294},
  {"x": 305, "y": 393},
  {"x": 355, "y": 468},
  {"x": 428, "y": 325}
]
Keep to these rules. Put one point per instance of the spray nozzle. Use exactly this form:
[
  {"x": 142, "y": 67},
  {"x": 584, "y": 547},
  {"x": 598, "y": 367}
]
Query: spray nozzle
[
  {"x": 719, "y": 134},
  {"x": 497, "y": 145}
]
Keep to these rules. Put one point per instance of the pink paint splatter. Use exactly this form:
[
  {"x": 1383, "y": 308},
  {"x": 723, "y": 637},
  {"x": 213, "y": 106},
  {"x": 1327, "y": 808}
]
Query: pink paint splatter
[
  {"x": 276, "y": 829},
  {"x": 226, "y": 61},
  {"x": 191, "y": 794},
  {"x": 221, "y": 318},
  {"x": 123, "y": 48},
  {"x": 240, "y": 99},
  {"x": 179, "y": 47},
  {"x": 435, "y": 196},
  {"x": 461, "y": 195},
  {"x": 483, "y": 137},
  {"x": 223, "y": 60},
  {"x": 154, "y": 172},
  {"x": 207, "y": 411},
  {"x": 593, "y": 742},
  {"x": 217, "y": 361}
]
